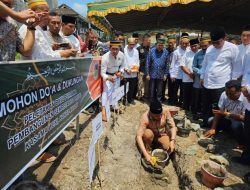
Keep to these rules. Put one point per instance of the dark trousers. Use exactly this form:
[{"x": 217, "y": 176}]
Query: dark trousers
[
  {"x": 164, "y": 85},
  {"x": 136, "y": 88},
  {"x": 187, "y": 95},
  {"x": 197, "y": 100},
  {"x": 210, "y": 97},
  {"x": 247, "y": 130},
  {"x": 155, "y": 89},
  {"x": 170, "y": 91},
  {"x": 178, "y": 86},
  {"x": 132, "y": 88},
  {"x": 230, "y": 125}
]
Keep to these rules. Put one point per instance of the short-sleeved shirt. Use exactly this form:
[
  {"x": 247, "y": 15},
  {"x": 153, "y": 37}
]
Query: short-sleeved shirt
[
  {"x": 232, "y": 106},
  {"x": 10, "y": 41}
]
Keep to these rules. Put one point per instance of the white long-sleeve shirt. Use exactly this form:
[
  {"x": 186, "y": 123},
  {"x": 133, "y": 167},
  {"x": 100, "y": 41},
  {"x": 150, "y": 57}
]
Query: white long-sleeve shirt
[
  {"x": 42, "y": 48},
  {"x": 187, "y": 61},
  {"x": 175, "y": 70},
  {"x": 111, "y": 65},
  {"x": 244, "y": 71},
  {"x": 239, "y": 69},
  {"x": 131, "y": 57},
  {"x": 246, "y": 77},
  {"x": 218, "y": 64}
]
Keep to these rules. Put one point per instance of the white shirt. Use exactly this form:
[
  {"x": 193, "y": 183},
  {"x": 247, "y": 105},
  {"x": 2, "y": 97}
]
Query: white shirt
[
  {"x": 175, "y": 70},
  {"x": 232, "y": 106},
  {"x": 73, "y": 41},
  {"x": 187, "y": 61},
  {"x": 246, "y": 76},
  {"x": 217, "y": 65},
  {"x": 238, "y": 70},
  {"x": 131, "y": 58},
  {"x": 42, "y": 48},
  {"x": 111, "y": 65}
]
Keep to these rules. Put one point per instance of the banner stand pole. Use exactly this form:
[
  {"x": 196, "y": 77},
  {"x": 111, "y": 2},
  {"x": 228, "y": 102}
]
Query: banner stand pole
[
  {"x": 77, "y": 128},
  {"x": 99, "y": 159}
]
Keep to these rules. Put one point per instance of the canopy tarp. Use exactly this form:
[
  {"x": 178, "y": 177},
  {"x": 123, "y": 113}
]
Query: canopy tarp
[
  {"x": 141, "y": 15},
  {"x": 97, "y": 11}
]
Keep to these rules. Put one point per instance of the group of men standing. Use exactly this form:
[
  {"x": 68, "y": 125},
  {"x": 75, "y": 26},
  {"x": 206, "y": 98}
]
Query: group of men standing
[{"x": 197, "y": 72}]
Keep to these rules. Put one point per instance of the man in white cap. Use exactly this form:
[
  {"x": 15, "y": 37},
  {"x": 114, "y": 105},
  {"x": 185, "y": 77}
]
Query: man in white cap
[
  {"x": 131, "y": 69},
  {"x": 175, "y": 70}
]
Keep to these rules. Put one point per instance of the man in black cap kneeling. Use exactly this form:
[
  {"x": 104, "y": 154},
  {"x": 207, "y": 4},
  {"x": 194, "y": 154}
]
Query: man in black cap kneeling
[{"x": 156, "y": 126}]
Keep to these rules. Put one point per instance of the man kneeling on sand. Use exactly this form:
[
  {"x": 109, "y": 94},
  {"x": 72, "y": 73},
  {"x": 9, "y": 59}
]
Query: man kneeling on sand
[{"x": 156, "y": 127}]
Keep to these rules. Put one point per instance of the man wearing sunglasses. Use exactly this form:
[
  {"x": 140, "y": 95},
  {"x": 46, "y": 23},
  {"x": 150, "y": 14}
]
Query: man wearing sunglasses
[
  {"x": 156, "y": 127},
  {"x": 219, "y": 61}
]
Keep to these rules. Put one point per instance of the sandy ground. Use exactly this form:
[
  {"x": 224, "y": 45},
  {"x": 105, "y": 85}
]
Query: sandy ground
[{"x": 120, "y": 167}]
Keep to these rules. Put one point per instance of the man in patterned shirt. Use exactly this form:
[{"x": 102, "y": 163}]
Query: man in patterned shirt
[
  {"x": 230, "y": 112},
  {"x": 156, "y": 69},
  {"x": 10, "y": 41}
]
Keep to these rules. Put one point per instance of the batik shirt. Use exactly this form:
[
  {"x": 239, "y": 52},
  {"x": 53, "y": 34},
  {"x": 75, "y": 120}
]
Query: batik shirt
[
  {"x": 143, "y": 53},
  {"x": 156, "y": 65},
  {"x": 10, "y": 41}
]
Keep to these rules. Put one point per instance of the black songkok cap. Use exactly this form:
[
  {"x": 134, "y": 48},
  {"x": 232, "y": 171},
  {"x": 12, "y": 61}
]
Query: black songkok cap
[
  {"x": 194, "y": 41},
  {"x": 184, "y": 34},
  {"x": 246, "y": 28},
  {"x": 135, "y": 35},
  {"x": 217, "y": 33},
  {"x": 155, "y": 107},
  {"x": 68, "y": 19}
]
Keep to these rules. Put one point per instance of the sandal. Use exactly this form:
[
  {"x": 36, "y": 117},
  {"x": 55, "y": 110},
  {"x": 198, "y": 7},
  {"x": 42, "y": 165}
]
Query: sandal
[{"x": 46, "y": 157}]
